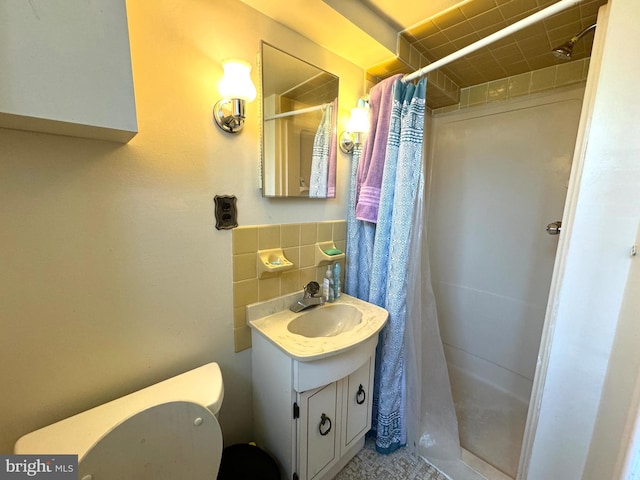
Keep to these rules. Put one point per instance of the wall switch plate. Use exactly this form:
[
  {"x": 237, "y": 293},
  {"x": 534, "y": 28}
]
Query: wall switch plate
[{"x": 226, "y": 212}]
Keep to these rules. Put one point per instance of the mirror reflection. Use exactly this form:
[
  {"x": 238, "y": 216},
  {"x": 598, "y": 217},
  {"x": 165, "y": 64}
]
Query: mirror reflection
[{"x": 299, "y": 113}]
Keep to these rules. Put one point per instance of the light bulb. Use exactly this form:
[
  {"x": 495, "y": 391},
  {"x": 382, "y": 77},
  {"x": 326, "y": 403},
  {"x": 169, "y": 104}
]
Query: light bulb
[
  {"x": 359, "y": 121},
  {"x": 236, "y": 82}
]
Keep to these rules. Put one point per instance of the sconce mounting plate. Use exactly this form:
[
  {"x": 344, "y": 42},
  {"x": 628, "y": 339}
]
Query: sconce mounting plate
[
  {"x": 229, "y": 114},
  {"x": 346, "y": 142}
]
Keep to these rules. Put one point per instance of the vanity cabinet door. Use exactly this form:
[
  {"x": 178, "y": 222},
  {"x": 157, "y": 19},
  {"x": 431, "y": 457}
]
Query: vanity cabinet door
[
  {"x": 318, "y": 427},
  {"x": 356, "y": 410}
]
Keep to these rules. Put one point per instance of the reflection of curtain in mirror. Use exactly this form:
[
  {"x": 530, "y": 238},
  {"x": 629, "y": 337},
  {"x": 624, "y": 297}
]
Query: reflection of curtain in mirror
[
  {"x": 333, "y": 152},
  {"x": 318, "y": 186}
]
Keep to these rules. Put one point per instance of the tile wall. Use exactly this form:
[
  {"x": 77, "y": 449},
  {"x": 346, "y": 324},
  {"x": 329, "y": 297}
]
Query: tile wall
[
  {"x": 298, "y": 242},
  {"x": 523, "y": 51},
  {"x": 537, "y": 81}
]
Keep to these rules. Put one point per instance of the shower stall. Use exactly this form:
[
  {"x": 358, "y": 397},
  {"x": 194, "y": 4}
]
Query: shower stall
[
  {"x": 498, "y": 175},
  {"x": 516, "y": 327}
]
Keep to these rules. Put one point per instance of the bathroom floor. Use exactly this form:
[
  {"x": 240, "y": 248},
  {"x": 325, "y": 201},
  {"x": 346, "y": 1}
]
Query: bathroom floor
[{"x": 399, "y": 465}]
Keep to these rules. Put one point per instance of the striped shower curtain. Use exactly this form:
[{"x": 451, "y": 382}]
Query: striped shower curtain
[{"x": 379, "y": 255}]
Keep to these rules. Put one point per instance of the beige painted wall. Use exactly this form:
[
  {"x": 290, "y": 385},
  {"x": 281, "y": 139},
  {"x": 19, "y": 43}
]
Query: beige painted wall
[{"x": 113, "y": 276}]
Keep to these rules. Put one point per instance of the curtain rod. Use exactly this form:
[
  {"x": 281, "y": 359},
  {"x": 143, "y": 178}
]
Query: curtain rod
[
  {"x": 297, "y": 112},
  {"x": 483, "y": 42}
]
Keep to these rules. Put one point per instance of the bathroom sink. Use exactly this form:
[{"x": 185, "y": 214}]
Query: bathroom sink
[
  {"x": 320, "y": 331},
  {"x": 326, "y": 321}
]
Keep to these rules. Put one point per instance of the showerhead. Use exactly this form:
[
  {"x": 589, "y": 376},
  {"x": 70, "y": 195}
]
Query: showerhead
[{"x": 564, "y": 51}]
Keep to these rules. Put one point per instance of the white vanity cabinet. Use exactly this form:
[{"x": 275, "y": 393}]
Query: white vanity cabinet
[{"x": 311, "y": 416}]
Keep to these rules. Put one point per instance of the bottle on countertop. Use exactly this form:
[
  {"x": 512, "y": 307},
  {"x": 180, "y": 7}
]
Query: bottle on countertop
[
  {"x": 328, "y": 285},
  {"x": 337, "y": 282}
]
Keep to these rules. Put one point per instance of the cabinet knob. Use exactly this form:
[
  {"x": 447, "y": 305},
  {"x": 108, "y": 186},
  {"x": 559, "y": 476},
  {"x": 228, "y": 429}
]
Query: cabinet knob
[
  {"x": 323, "y": 421},
  {"x": 360, "y": 395}
]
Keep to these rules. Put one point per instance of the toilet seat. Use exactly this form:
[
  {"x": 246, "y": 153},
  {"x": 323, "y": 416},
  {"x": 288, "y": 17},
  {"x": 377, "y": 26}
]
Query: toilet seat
[{"x": 165, "y": 442}]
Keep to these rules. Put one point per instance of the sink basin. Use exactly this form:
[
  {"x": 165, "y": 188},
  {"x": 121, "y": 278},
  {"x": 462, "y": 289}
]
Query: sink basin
[
  {"x": 326, "y": 321},
  {"x": 318, "y": 332}
]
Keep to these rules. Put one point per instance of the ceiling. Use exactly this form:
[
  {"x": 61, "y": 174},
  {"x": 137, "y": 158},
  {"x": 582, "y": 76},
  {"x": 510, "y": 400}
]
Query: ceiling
[{"x": 434, "y": 29}]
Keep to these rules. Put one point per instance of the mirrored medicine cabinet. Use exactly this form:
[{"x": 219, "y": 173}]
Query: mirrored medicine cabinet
[{"x": 299, "y": 112}]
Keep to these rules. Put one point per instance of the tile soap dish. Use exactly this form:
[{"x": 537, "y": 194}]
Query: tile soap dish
[
  {"x": 326, "y": 253},
  {"x": 272, "y": 261}
]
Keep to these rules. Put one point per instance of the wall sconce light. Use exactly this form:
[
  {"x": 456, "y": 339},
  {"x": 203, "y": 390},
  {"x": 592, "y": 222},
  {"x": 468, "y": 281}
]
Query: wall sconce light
[
  {"x": 357, "y": 127},
  {"x": 236, "y": 88}
]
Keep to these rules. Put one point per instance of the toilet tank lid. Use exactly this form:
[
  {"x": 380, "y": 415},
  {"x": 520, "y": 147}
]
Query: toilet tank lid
[{"x": 77, "y": 434}]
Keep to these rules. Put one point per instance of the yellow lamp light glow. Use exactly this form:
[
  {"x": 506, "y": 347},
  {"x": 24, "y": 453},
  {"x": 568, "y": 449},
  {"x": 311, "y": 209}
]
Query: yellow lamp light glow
[
  {"x": 357, "y": 127},
  {"x": 359, "y": 121},
  {"x": 236, "y": 88},
  {"x": 236, "y": 82}
]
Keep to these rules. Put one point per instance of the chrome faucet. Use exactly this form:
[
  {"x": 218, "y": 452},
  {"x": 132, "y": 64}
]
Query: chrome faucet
[{"x": 309, "y": 299}]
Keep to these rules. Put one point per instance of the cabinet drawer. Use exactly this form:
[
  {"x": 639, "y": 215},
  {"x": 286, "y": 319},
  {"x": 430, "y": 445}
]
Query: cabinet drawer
[{"x": 309, "y": 375}]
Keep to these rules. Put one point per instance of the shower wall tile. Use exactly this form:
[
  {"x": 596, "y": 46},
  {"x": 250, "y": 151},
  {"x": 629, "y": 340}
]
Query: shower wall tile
[
  {"x": 404, "y": 47},
  {"x": 497, "y": 90},
  {"x": 442, "y": 89},
  {"x": 540, "y": 80},
  {"x": 522, "y": 51},
  {"x": 298, "y": 242},
  {"x": 450, "y": 108},
  {"x": 464, "y": 98},
  {"x": 519, "y": 85},
  {"x": 569, "y": 73},
  {"x": 478, "y": 94}
]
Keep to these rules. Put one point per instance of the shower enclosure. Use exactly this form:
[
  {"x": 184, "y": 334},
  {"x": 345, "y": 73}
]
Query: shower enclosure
[{"x": 498, "y": 176}]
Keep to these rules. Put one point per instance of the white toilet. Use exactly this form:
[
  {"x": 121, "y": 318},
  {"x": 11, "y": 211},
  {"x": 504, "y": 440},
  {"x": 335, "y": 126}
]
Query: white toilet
[{"x": 167, "y": 431}]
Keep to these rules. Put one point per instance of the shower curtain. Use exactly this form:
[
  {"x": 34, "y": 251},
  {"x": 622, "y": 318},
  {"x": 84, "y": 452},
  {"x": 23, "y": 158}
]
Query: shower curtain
[{"x": 386, "y": 266}]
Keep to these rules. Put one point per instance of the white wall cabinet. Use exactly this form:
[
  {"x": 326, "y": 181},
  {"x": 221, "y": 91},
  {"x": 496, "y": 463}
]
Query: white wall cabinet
[
  {"x": 66, "y": 68},
  {"x": 311, "y": 416}
]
